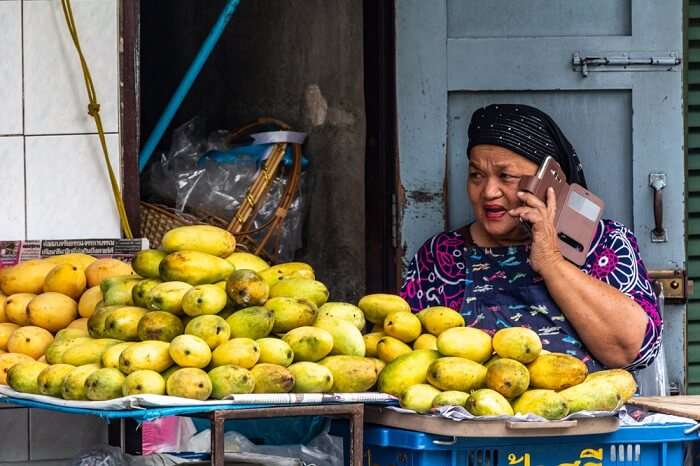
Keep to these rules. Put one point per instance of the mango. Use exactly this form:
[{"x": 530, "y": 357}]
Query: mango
[
  {"x": 6, "y": 329},
  {"x": 351, "y": 374},
  {"x": 343, "y": 311},
  {"x": 246, "y": 260},
  {"x": 246, "y": 288},
  {"x": 195, "y": 268},
  {"x": 622, "y": 380},
  {"x": 74, "y": 382},
  {"x": 50, "y": 380},
  {"x": 242, "y": 352},
  {"x": 104, "y": 384},
  {"x": 377, "y": 306},
  {"x": 487, "y": 402},
  {"x": 309, "y": 343},
  {"x": 450, "y": 398},
  {"x": 139, "y": 292},
  {"x": 594, "y": 395},
  {"x": 426, "y": 341},
  {"x": 212, "y": 329},
  {"x": 465, "y": 342},
  {"x": 437, "y": 319},
  {"x": 80, "y": 260},
  {"x": 147, "y": 263},
  {"x": 3, "y": 316},
  {"x": 301, "y": 288},
  {"x": 167, "y": 297},
  {"x": 202, "y": 238},
  {"x": 52, "y": 311},
  {"x": 544, "y": 403},
  {"x": 556, "y": 371},
  {"x": 519, "y": 343},
  {"x": 419, "y": 397},
  {"x": 290, "y": 313},
  {"x": 151, "y": 355},
  {"x": 16, "y": 308},
  {"x": 66, "y": 279},
  {"x": 190, "y": 351},
  {"x": 70, "y": 334},
  {"x": 455, "y": 373},
  {"x": 85, "y": 352},
  {"x": 189, "y": 382},
  {"x": 110, "y": 358},
  {"x": 406, "y": 370},
  {"x": 106, "y": 268},
  {"x": 23, "y": 377},
  {"x": 7, "y": 360},
  {"x": 287, "y": 270},
  {"x": 119, "y": 290},
  {"x": 122, "y": 323},
  {"x": 275, "y": 351},
  {"x": 311, "y": 377},
  {"x": 271, "y": 378},
  {"x": 378, "y": 364},
  {"x": 80, "y": 324},
  {"x": 143, "y": 382},
  {"x": 389, "y": 348},
  {"x": 30, "y": 340},
  {"x": 204, "y": 299},
  {"x": 159, "y": 325},
  {"x": 403, "y": 326},
  {"x": 347, "y": 339},
  {"x": 371, "y": 340},
  {"x": 252, "y": 322},
  {"x": 168, "y": 372},
  {"x": 96, "y": 322},
  {"x": 25, "y": 277},
  {"x": 54, "y": 352},
  {"x": 508, "y": 377},
  {"x": 230, "y": 380}
]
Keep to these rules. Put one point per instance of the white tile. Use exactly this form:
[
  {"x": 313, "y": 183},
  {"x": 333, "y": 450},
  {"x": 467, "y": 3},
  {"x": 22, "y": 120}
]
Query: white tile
[
  {"x": 77, "y": 433},
  {"x": 11, "y": 187},
  {"x": 11, "y": 67},
  {"x": 68, "y": 189},
  {"x": 55, "y": 99}
]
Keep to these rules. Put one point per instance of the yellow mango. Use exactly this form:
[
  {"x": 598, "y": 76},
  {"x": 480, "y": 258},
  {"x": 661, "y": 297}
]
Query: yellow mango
[
  {"x": 202, "y": 238},
  {"x": 390, "y": 348},
  {"x": 16, "y": 308},
  {"x": 437, "y": 319},
  {"x": 419, "y": 397},
  {"x": 248, "y": 261},
  {"x": 545, "y": 403},
  {"x": 66, "y": 279},
  {"x": 406, "y": 370},
  {"x": 465, "y": 342},
  {"x": 25, "y": 277},
  {"x": 556, "y": 371},
  {"x": 7, "y": 360},
  {"x": 52, "y": 311},
  {"x": 454, "y": 373},
  {"x": 88, "y": 301},
  {"x": 147, "y": 263},
  {"x": 278, "y": 272},
  {"x": 6, "y": 329},
  {"x": 79, "y": 260},
  {"x": 403, "y": 326},
  {"x": 622, "y": 380},
  {"x": 377, "y": 306},
  {"x": 194, "y": 267},
  {"x": 29, "y": 340},
  {"x": 106, "y": 268},
  {"x": 519, "y": 343}
]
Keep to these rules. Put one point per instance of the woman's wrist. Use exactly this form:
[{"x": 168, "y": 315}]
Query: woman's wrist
[{"x": 555, "y": 267}]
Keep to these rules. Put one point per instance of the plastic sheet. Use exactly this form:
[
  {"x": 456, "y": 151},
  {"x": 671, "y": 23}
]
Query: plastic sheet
[
  {"x": 653, "y": 380},
  {"x": 166, "y": 434},
  {"x": 207, "y": 175}
]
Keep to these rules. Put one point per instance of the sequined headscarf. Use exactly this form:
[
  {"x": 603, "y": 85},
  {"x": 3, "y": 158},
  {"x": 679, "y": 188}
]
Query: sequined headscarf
[{"x": 526, "y": 131}]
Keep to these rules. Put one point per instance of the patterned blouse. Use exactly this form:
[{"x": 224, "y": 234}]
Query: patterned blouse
[{"x": 442, "y": 268}]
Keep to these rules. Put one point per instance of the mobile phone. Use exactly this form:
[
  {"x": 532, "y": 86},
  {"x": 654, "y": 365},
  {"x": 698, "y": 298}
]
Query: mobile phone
[{"x": 578, "y": 210}]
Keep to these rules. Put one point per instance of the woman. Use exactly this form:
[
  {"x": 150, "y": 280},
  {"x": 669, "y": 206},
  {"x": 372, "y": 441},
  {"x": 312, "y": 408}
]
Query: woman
[{"x": 498, "y": 273}]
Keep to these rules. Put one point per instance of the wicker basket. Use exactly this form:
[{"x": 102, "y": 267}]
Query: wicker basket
[{"x": 156, "y": 219}]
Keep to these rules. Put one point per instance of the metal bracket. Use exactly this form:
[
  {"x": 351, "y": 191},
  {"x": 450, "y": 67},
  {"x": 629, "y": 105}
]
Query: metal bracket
[
  {"x": 675, "y": 284},
  {"x": 624, "y": 61}
]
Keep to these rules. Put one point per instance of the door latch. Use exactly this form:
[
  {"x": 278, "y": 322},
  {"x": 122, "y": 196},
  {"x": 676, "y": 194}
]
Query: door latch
[
  {"x": 624, "y": 61},
  {"x": 657, "y": 182},
  {"x": 674, "y": 283}
]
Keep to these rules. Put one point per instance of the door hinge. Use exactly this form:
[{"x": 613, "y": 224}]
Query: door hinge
[
  {"x": 675, "y": 284},
  {"x": 586, "y": 63}
]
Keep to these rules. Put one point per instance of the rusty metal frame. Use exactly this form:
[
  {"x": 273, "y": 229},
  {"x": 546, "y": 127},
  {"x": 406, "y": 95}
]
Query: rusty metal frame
[{"x": 354, "y": 413}]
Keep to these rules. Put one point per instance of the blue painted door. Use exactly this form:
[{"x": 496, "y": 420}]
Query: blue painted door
[{"x": 626, "y": 123}]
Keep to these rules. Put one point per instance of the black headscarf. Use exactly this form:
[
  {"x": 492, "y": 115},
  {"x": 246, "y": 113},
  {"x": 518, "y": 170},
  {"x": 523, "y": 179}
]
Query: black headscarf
[{"x": 526, "y": 131}]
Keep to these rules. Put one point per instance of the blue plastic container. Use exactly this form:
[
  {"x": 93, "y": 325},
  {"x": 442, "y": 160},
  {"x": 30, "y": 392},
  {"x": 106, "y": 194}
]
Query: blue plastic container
[{"x": 658, "y": 445}]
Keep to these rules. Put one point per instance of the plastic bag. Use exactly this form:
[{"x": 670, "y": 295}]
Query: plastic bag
[
  {"x": 166, "y": 434},
  {"x": 208, "y": 176},
  {"x": 653, "y": 380},
  {"x": 101, "y": 456}
]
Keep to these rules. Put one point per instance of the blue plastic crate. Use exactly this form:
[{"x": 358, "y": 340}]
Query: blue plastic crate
[{"x": 657, "y": 445}]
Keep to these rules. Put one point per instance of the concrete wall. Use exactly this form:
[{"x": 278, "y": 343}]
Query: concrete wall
[{"x": 299, "y": 61}]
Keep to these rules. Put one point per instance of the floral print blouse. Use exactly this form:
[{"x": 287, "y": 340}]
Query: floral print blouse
[{"x": 448, "y": 272}]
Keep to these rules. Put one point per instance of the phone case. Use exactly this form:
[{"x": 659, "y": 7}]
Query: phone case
[{"x": 578, "y": 210}]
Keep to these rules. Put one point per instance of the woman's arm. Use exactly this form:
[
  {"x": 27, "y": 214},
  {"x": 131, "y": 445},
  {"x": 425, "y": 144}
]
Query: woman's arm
[{"x": 611, "y": 324}]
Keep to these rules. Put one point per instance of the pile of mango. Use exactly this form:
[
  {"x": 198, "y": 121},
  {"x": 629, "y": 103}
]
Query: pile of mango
[{"x": 198, "y": 319}]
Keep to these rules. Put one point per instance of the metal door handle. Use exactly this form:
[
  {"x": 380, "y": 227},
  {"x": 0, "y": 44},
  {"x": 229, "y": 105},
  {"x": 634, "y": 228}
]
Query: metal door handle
[{"x": 657, "y": 182}]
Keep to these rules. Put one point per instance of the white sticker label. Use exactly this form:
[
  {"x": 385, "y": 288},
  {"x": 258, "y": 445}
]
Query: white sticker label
[{"x": 583, "y": 206}]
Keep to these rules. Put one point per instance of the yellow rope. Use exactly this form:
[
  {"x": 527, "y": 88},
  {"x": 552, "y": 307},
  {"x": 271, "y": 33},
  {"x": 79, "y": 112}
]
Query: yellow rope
[{"x": 94, "y": 111}]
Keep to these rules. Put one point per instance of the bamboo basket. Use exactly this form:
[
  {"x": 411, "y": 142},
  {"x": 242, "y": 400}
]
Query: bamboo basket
[{"x": 157, "y": 219}]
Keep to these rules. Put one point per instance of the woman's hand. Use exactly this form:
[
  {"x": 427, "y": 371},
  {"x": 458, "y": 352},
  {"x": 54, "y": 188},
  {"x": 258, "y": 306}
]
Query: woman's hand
[{"x": 544, "y": 252}]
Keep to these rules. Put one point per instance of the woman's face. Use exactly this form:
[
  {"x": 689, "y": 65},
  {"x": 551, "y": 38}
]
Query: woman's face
[{"x": 494, "y": 174}]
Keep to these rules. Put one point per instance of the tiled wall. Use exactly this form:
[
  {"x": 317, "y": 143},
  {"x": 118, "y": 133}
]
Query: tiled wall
[{"x": 53, "y": 182}]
